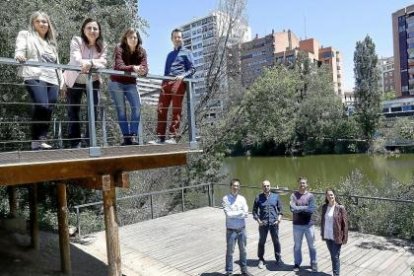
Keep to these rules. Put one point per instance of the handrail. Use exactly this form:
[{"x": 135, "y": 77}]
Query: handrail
[
  {"x": 94, "y": 149},
  {"x": 150, "y": 194},
  {"x": 280, "y": 190}
]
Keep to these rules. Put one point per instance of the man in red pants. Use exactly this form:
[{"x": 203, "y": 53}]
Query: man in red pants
[{"x": 179, "y": 64}]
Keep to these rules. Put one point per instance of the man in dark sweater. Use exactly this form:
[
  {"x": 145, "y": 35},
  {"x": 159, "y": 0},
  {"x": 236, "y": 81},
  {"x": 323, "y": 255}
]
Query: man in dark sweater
[
  {"x": 302, "y": 205},
  {"x": 179, "y": 64}
]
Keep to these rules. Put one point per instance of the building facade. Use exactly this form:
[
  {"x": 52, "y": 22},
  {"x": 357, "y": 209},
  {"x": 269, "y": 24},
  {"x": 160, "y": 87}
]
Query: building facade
[
  {"x": 207, "y": 37},
  {"x": 284, "y": 48},
  {"x": 386, "y": 69},
  {"x": 403, "y": 41}
]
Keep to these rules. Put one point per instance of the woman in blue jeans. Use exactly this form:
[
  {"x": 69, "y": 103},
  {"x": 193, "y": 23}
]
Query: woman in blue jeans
[
  {"x": 38, "y": 43},
  {"x": 334, "y": 228},
  {"x": 131, "y": 57}
]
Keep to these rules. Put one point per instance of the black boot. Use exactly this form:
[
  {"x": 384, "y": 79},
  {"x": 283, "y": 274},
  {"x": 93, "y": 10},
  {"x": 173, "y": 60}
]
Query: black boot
[
  {"x": 134, "y": 140},
  {"x": 127, "y": 141}
]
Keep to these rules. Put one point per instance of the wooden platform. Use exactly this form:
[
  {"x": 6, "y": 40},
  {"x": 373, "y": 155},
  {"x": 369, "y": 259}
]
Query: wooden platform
[
  {"x": 193, "y": 243},
  {"x": 35, "y": 166}
]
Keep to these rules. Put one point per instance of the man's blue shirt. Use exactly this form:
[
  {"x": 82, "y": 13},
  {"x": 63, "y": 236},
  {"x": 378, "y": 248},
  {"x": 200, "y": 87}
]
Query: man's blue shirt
[
  {"x": 267, "y": 209},
  {"x": 179, "y": 63}
]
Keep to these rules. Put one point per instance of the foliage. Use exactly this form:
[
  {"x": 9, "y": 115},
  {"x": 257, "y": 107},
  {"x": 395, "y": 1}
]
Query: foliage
[
  {"x": 376, "y": 216},
  {"x": 367, "y": 94},
  {"x": 270, "y": 107}
]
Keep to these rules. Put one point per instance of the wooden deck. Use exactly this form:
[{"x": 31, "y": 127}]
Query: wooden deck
[
  {"x": 23, "y": 167},
  {"x": 193, "y": 243}
]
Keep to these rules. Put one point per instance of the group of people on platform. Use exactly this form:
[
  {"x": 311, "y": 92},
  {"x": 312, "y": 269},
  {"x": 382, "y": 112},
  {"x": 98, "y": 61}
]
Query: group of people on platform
[
  {"x": 89, "y": 51},
  {"x": 267, "y": 212}
]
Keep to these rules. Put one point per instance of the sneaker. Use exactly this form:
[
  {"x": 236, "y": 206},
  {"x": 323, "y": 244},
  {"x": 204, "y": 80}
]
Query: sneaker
[
  {"x": 171, "y": 141},
  {"x": 246, "y": 273},
  {"x": 261, "y": 264},
  {"x": 229, "y": 273},
  {"x": 296, "y": 268},
  {"x": 314, "y": 267},
  {"x": 156, "y": 142},
  {"x": 37, "y": 145}
]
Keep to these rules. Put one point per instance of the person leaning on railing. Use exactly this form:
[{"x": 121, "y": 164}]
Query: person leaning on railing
[
  {"x": 179, "y": 65},
  {"x": 87, "y": 51},
  {"x": 38, "y": 43},
  {"x": 129, "y": 56}
]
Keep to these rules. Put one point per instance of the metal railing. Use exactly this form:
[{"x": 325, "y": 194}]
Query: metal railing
[
  {"x": 150, "y": 196},
  {"x": 94, "y": 148}
]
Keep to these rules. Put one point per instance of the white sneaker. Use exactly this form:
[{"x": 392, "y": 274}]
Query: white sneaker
[
  {"x": 261, "y": 264},
  {"x": 156, "y": 142},
  {"x": 171, "y": 141},
  {"x": 37, "y": 145}
]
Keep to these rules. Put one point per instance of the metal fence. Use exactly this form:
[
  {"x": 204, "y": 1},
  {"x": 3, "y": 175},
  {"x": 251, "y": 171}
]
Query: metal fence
[
  {"x": 95, "y": 126},
  {"x": 204, "y": 190}
]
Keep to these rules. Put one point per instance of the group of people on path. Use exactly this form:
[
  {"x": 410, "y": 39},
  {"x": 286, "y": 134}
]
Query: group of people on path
[
  {"x": 268, "y": 212},
  {"x": 89, "y": 51}
]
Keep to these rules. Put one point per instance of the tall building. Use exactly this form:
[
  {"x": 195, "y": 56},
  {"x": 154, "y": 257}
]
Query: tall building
[
  {"x": 284, "y": 47},
  {"x": 204, "y": 37},
  {"x": 386, "y": 68},
  {"x": 259, "y": 53},
  {"x": 403, "y": 40}
]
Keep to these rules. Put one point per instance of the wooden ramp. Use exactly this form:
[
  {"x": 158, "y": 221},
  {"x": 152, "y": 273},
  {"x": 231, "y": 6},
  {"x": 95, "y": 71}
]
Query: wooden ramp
[{"x": 193, "y": 243}]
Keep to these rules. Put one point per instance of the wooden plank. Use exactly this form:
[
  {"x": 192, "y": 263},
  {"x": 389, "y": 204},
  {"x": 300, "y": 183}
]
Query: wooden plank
[
  {"x": 95, "y": 183},
  {"x": 64, "y": 243},
  {"x": 111, "y": 224},
  {"x": 22, "y": 173},
  {"x": 34, "y": 217}
]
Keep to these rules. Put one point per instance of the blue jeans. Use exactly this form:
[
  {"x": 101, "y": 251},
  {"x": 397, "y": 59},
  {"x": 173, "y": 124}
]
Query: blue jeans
[
  {"x": 274, "y": 234},
  {"x": 44, "y": 96},
  {"x": 119, "y": 93},
  {"x": 335, "y": 251},
  {"x": 232, "y": 236},
  {"x": 309, "y": 232}
]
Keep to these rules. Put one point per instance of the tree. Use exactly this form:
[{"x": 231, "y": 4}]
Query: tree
[
  {"x": 367, "y": 94},
  {"x": 270, "y": 107}
]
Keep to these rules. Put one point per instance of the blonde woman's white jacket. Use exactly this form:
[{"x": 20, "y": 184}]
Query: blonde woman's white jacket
[{"x": 28, "y": 45}]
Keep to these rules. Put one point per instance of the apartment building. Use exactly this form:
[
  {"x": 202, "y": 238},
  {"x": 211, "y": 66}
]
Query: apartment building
[
  {"x": 386, "y": 68},
  {"x": 403, "y": 41}
]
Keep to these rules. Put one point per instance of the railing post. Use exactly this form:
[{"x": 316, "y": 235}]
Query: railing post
[
  {"x": 182, "y": 200},
  {"x": 191, "y": 116},
  {"x": 78, "y": 224},
  {"x": 94, "y": 150},
  {"x": 152, "y": 208},
  {"x": 104, "y": 134},
  {"x": 60, "y": 135},
  {"x": 212, "y": 195},
  {"x": 208, "y": 194}
]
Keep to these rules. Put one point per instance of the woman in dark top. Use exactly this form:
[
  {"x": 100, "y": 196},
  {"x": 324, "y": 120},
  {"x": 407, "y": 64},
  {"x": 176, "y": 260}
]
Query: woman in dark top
[
  {"x": 334, "y": 228},
  {"x": 131, "y": 57}
]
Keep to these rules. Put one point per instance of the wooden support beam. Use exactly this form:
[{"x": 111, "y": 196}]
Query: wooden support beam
[
  {"x": 13, "y": 203},
  {"x": 121, "y": 180},
  {"x": 34, "y": 217},
  {"x": 64, "y": 243},
  {"x": 111, "y": 224}
]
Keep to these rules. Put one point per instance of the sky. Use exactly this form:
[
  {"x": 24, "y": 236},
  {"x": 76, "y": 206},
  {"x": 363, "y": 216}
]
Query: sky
[{"x": 339, "y": 24}]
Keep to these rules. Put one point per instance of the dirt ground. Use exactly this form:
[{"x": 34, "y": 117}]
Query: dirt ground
[{"x": 17, "y": 259}]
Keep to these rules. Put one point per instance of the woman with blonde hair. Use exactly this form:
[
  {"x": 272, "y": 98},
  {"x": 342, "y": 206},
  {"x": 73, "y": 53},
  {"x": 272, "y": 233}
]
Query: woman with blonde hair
[
  {"x": 38, "y": 43},
  {"x": 131, "y": 57}
]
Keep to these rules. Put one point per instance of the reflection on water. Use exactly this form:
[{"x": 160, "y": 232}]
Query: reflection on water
[{"x": 322, "y": 171}]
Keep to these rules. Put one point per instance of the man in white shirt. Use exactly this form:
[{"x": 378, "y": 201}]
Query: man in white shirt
[{"x": 235, "y": 208}]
